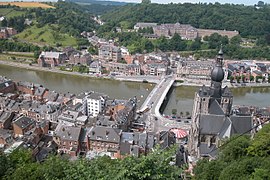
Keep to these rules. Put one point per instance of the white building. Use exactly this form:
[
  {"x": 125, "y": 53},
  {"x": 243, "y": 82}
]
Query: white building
[{"x": 94, "y": 103}]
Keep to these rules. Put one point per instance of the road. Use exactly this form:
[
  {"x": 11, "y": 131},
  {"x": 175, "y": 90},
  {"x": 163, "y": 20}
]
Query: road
[{"x": 156, "y": 122}]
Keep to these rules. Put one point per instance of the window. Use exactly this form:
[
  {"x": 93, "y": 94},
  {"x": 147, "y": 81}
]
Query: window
[
  {"x": 203, "y": 139},
  {"x": 213, "y": 140}
]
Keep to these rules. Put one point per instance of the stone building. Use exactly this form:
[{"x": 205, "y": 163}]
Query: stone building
[{"x": 212, "y": 118}]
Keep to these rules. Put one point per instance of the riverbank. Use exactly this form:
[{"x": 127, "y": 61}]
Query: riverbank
[
  {"x": 37, "y": 68},
  {"x": 141, "y": 79}
]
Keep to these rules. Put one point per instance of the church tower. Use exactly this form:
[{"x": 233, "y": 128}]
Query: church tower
[{"x": 212, "y": 105}]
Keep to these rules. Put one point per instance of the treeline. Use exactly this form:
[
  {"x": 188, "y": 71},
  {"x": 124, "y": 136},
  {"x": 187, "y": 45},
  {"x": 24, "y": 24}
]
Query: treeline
[
  {"x": 7, "y": 45},
  {"x": 240, "y": 158},
  {"x": 20, "y": 165},
  {"x": 248, "y": 20}
]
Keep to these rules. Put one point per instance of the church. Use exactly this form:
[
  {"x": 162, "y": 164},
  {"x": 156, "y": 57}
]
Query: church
[{"x": 212, "y": 117}]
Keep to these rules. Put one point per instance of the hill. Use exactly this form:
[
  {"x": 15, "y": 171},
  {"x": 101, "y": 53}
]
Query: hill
[
  {"x": 27, "y": 4},
  {"x": 58, "y": 26},
  {"x": 46, "y": 35},
  {"x": 248, "y": 20}
]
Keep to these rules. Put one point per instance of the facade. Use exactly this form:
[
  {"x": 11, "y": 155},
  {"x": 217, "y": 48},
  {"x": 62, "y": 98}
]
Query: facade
[
  {"x": 186, "y": 31},
  {"x": 68, "y": 139},
  {"x": 94, "y": 103},
  {"x": 79, "y": 58},
  {"x": 95, "y": 67},
  {"x": 124, "y": 69},
  {"x": 194, "y": 69},
  {"x": 51, "y": 59},
  {"x": 109, "y": 53},
  {"x": 212, "y": 118}
]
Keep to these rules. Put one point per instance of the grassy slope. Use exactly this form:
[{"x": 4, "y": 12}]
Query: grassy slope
[
  {"x": 46, "y": 36},
  {"x": 27, "y": 4},
  {"x": 10, "y": 12}
]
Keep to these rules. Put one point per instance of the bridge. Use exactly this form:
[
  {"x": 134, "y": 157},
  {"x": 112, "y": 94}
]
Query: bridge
[{"x": 153, "y": 103}]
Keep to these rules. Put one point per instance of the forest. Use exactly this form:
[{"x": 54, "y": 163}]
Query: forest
[{"x": 248, "y": 20}]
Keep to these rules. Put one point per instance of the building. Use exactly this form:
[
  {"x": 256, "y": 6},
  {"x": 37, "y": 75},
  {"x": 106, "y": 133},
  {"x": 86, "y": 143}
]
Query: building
[
  {"x": 51, "y": 59},
  {"x": 79, "y": 58},
  {"x": 22, "y": 125},
  {"x": 105, "y": 139},
  {"x": 207, "y": 32},
  {"x": 68, "y": 139},
  {"x": 194, "y": 69},
  {"x": 94, "y": 103},
  {"x": 142, "y": 25},
  {"x": 95, "y": 67},
  {"x": 7, "y": 32},
  {"x": 212, "y": 118},
  {"x": 72, "y": 118},
  {"x": 186, "y": 31},
  {"x": 109, "y": 53},
  {"x": 122, "y": 69}
]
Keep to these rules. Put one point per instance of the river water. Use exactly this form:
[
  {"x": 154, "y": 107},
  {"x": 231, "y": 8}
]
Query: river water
[{"x": 181, "y": 98}]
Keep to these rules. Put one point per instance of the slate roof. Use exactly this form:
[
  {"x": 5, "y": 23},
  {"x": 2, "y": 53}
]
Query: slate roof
[
  {"x": 206, "y": 150},
  {"x": 40, "y": 91},
  {"x": 69, "y": 133},
  {"x": 215, "y": 108},
  {"x": 4, "y": 115},
  {"x": 241, "y": 124},
  {"x": 24, "y": 122},
  {"x": 106, "y": 134},
  {"x": 5, "y": 84},
  {"x": 211, "y": 124}
]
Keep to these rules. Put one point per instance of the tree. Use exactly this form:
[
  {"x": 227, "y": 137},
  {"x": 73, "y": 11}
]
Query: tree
[
  {"x": 260, "y": 146},
  {"x": 174, "y": 111},
  {"x": 231, "y": 79},
  {"x": 236, "y": 40}
]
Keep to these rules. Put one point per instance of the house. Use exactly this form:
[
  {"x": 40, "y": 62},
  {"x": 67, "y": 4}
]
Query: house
[
  {"x": 125, "y": 116},
  {"x": 51, "y": 59},
  {"x": 26, "y": 87},
  {"x": 40, "y": 92},
  {"x": 95, "y": 67},
  {"x": 109, "y": 53},
  {"x": 22, "y": 125},
  {"x": 5, "y": 137},
  {"x": 7, "y": 86},
  {"x": 105, "y": 139},
  {"x": 68, "y": 139},
  {"x": 72, "y": 118},
  {"x": 136, "y": 144}
]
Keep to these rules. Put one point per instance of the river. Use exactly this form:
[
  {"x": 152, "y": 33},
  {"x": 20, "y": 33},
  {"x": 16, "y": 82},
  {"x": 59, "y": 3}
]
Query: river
[{"x": 181, "y": 98}]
